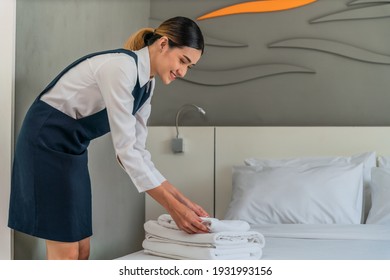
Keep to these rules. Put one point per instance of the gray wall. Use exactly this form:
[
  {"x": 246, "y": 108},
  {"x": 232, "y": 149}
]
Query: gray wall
[
  {"x": 314, "y": 82},
  {"x": 50, "y": 35}
]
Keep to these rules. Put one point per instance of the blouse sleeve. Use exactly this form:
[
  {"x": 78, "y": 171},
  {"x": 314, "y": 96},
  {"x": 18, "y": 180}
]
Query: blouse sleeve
[{"x": 116, "y": 79}]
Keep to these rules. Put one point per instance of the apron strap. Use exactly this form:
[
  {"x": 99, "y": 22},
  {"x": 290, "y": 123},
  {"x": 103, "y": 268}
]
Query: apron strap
[{"x": 141, "y": 95}]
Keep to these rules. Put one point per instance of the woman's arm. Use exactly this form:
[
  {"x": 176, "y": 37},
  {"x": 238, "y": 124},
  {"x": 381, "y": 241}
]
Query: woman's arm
[{"x": 184, "y": 212}]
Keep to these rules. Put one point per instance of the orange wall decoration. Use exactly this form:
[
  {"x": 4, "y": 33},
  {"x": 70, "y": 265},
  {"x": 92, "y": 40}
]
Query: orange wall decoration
[{"x": 257, "y": 7}]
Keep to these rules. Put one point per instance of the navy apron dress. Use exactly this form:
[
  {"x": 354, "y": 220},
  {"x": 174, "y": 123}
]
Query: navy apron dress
[{"x": 50, "y": 188}]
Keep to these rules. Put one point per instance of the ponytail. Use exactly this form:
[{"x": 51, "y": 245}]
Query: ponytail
[{"x": 137, "y": 40}]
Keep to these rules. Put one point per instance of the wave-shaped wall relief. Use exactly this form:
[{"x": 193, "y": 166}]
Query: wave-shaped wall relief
[
  {"x": 215, "y": 42},
  {"x": 333, "y": 47},
  {"x": 378, "y": 11},
  {"x": 356, "y": 2},
  {"x": 240, "y": 75}
]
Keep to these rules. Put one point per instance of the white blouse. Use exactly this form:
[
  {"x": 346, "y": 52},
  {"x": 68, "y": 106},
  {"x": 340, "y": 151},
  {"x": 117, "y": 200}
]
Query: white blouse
[{"x": 107, "y": 81}]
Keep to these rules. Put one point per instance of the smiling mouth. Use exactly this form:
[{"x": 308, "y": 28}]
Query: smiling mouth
[{"x": 173, "y": 76}]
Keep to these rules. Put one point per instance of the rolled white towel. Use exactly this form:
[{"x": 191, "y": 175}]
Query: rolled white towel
[{"x": 214, "y": 225}]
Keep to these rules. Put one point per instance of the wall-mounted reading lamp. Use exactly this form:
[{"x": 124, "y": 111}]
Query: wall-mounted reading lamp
[{"x": 177, "y": 143}]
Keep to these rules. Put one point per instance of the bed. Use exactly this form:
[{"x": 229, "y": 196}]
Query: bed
[{"x": 314, "y": 193}]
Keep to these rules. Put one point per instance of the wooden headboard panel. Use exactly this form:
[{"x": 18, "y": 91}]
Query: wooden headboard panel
[{"x": 234, "y": 144}]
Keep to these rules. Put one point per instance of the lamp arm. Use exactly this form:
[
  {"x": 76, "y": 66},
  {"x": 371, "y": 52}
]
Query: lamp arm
[
  {"x": 177, "y": 121},
  {"x": 179, "y": 112}
]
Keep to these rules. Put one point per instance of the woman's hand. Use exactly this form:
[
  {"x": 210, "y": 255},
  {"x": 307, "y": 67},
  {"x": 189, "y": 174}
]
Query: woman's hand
[
  {"x": 195, "y": 207},
  {"x": 179, "y": 196},
  {"x": 183, "y": 211},
  {"x": 186, "y": 219}
]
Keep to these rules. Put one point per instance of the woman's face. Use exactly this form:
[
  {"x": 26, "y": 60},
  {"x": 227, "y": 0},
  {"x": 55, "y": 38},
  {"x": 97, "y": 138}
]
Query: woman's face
[{"x": 175, "y": 62}]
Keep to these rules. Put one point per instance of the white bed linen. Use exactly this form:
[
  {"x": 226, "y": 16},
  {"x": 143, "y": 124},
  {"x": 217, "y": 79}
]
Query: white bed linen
[
  {"x": 316, "y": 242},
  {"x": 325, "y": 231},
  {"x": 325, "y": 242}
]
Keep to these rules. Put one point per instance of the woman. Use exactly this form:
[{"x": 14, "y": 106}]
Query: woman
[{"x": 101, "y": 92}]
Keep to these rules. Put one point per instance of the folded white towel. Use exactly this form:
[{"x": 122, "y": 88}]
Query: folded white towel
[
  {"x": 154, "y": 238},
  {"x": 219, "y": 238},
  {"x": 179, "y": 251},
  {"x": 214, "y": 225}
]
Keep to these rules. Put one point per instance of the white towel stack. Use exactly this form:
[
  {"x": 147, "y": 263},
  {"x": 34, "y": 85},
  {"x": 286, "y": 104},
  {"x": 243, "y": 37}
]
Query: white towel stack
[{"x": 227, "y": 240}]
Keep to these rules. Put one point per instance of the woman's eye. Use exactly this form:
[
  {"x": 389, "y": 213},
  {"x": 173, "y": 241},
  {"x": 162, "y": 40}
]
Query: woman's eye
[{"x": 182, "y": 61}]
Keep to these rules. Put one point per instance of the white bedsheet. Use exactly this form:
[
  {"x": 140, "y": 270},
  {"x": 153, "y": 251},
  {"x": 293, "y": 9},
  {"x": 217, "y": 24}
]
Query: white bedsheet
[
  {"x": 326, "y": 242},
  {"x": 325, "y": 231},
  {"x": 317, "y": 242}
]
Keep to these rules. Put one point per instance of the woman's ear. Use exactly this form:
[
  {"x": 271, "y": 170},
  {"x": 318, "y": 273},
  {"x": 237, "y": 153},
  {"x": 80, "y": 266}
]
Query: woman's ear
[{"x": 163, "y": 43}]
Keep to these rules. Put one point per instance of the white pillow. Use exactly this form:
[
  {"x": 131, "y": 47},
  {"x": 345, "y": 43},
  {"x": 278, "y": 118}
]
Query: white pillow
[
  {"x": 297, "y": 195},
  {"x": 380, "y": 210},
  {"x": 384, "y": 161},
  {"x": 368, "y": 159}
]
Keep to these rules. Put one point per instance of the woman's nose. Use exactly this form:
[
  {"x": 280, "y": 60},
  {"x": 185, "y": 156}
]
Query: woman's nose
[{"x": 182, "y": 71}]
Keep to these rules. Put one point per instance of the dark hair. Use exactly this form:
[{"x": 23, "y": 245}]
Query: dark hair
[{"x": 180, "y": 31}]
